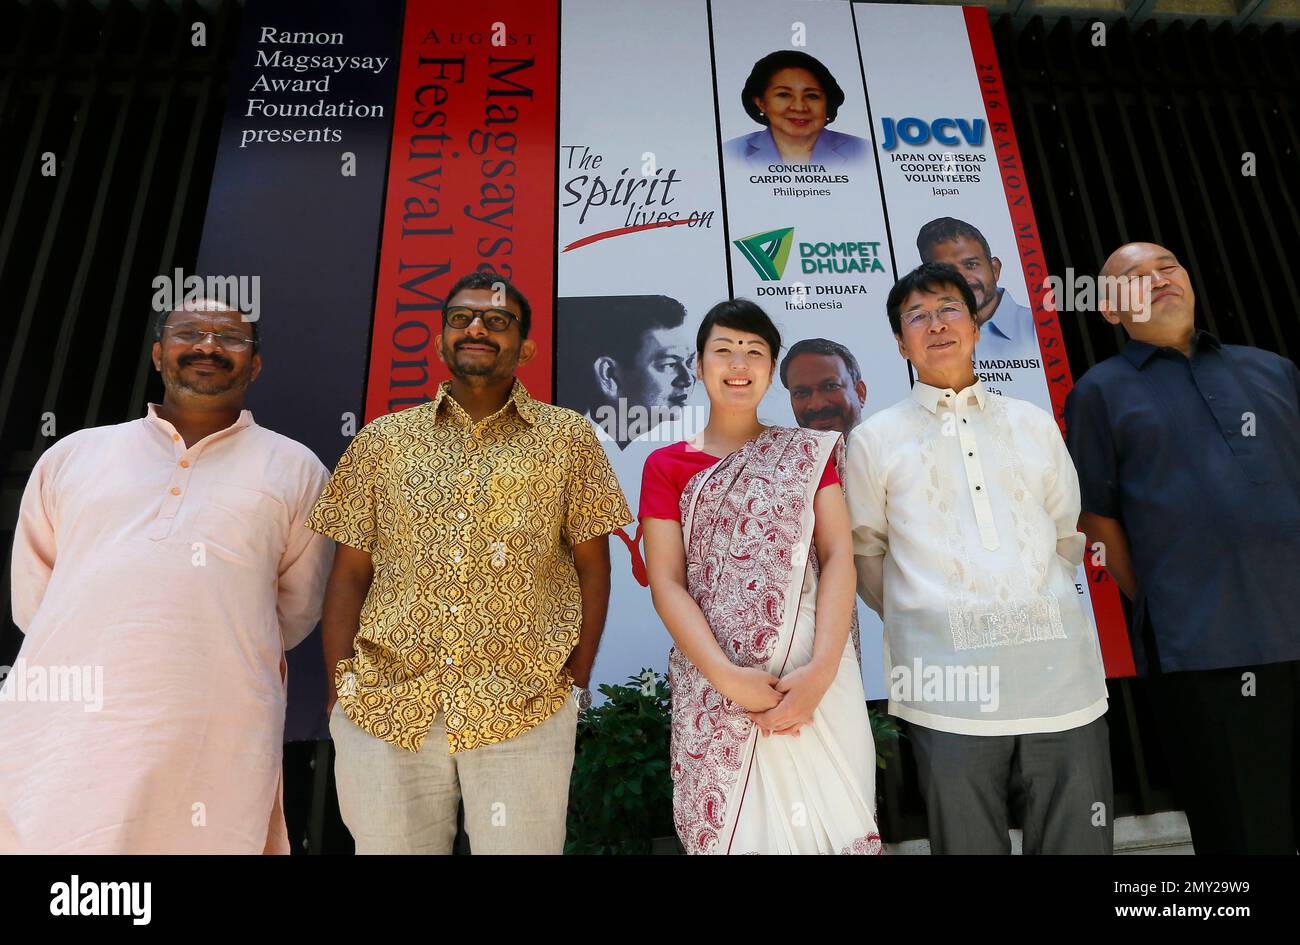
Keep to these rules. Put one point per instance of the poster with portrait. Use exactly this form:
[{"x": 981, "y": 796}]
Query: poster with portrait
[
  {"x": 816, "y": 172},
  {"x": 630, "y": 164}
]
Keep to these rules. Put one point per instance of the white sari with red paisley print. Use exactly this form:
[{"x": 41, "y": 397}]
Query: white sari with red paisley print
[{"x": 751, "y": 565}]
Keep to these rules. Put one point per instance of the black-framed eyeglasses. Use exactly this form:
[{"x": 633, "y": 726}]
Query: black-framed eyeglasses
[{"x": 494, "y": 319}]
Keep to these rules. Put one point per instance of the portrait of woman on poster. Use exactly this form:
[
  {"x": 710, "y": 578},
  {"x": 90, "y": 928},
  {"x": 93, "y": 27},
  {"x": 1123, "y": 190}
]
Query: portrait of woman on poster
[{"x": 794, "y": 97}]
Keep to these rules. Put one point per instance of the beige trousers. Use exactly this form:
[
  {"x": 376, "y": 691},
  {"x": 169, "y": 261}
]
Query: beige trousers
[{"x": 516, "y": 792}]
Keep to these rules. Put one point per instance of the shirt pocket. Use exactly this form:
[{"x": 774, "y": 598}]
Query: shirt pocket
[
  {"x": 527, "y": 522},
  {"x": 241, "y": 525}
]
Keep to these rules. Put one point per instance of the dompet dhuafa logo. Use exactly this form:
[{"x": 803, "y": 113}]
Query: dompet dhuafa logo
[{"x": 769, "y": 252}]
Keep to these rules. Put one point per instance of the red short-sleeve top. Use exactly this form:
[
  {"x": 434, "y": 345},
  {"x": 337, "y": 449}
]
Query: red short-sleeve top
[{"x": 668, "y": 470}]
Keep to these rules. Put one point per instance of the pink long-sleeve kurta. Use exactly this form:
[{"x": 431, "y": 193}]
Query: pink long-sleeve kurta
[{"x": 179, "y": 576}]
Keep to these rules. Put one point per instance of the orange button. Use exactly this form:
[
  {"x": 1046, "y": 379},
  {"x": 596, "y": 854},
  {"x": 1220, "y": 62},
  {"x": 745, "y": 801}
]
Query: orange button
[
  {"x": 176, "y": 490},
  {"x": 185, "y": 464},
  {"x": 176, "y": 436}
]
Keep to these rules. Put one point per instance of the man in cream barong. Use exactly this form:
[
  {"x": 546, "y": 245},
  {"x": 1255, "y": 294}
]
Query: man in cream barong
[
  {"x": 164, "y": 564},
  {"x": 964, "y": 507}
]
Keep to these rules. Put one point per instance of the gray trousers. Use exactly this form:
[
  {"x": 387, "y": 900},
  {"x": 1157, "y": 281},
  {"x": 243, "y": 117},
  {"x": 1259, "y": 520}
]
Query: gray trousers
[{"x": 1061, "y": 779}]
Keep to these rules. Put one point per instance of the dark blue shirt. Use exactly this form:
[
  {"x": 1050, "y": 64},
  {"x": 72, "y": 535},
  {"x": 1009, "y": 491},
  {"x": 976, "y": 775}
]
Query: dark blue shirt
[{"x": 1199, "y": 459}]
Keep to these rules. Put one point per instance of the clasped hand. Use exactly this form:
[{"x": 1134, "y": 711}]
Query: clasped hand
[{"x": 778, "y": 706}]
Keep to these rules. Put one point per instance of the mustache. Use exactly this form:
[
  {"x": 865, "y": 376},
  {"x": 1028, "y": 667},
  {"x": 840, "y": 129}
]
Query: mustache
[
  {"x": 216, "y": 359},
  {"x": 829, "y": 413}
]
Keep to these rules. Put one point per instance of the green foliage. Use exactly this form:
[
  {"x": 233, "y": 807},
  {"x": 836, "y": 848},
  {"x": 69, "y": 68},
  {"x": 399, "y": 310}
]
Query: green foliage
[
  {"x": 621, "y": 792},
  {"x": 885, "y": 733}
]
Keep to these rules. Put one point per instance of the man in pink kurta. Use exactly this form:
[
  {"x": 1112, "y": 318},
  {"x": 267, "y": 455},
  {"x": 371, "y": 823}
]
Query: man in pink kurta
[{"x": 165, "y": 565}]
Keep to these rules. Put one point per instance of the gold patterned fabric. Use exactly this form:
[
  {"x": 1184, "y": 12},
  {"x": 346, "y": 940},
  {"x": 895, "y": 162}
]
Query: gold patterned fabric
[{"x": 475, "y": 604}]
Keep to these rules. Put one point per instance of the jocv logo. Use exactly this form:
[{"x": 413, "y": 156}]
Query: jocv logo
[{"x": 918, "y": 131}]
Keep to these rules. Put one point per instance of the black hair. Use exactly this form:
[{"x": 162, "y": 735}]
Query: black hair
[
  {"x": 611, "y": 326},
  {"x": 927, "y": 277},
  {"x": 161, "y": 322},
  {"x": 771, "y": 64},
  {"x": 947, "y": 229},
  {"x": 820, "y": 346},
  {"x": 487, "y": 279},
  {"x": 742, "y": 315}
]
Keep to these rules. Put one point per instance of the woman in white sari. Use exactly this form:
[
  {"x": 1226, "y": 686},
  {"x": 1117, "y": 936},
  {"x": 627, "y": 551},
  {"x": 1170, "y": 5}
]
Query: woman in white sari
[{"x": 750, "y": 562}]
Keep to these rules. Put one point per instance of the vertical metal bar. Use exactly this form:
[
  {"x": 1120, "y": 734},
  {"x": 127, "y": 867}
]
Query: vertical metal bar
[
  {"x": 95, "y": 401},
  {"x": 51, "y": 231},
  {"x": 1282, "y": 102},
  {"x": 1245, "y": 233},
  {"x": 27, "y": 165},
  {"x": 320, "y": 779},
  {"x": 1204, "y": 298},
  {"x": 1121, "y": 103},
  {"x": 68, "y": 325},
  {"x": 167, "y": 257},
  {"x": 1084, "y": 92},
  {"x": 1116, "y": 206},
  {"x": 1033, "y": 94},
  {"x": 18, "y": 64},
  {"x": 1253, "y": 95},
  {"x": 1145, "y": 805},
  {"x": 1080, "y": 180},
  {"x": 1200, "y": 187}
]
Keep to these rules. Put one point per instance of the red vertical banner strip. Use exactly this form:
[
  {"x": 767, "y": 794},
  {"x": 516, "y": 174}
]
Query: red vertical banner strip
[
  {"x": 471, "y": 184},
  {"x": 1117, "y": 654}
]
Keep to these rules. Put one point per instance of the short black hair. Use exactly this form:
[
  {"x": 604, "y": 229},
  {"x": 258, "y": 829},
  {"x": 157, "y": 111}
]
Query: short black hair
[
  {"x": 927, "y": 277},
  {"x": 774, "y": 62},
  {"x": 161, "y": 322},
  {"x": 945, "y": 230},
  {"x": 487, "y": 279},
  {"x": 612, "y": 326},
  {"x": 820, "y": 346},
  {"x": 742, "y": 315}
]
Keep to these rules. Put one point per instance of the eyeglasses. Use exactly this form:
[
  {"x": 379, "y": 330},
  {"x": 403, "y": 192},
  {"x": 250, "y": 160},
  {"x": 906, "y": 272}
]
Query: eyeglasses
[
  {"x": 950, "y": 312},
  {"x": 494, "y": 319},
  {"x": 228, "y": 340}
]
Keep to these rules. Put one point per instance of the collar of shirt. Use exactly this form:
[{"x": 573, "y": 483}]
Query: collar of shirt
[
  {"x": 522, "y": 401},
  {"x": 1139, "y": 353},
  {"x": 245, "y": 420},
  {"x": 992, "y": 323},
  {"x": 932, "y": 398}
]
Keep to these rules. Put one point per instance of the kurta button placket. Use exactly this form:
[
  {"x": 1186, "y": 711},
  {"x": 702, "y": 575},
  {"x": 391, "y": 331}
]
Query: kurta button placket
[{"x": 161, "y": 527}]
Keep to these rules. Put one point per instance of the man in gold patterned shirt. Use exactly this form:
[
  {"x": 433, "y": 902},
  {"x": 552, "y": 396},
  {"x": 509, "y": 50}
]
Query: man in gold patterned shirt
[{"x": 467, "y": 597}]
